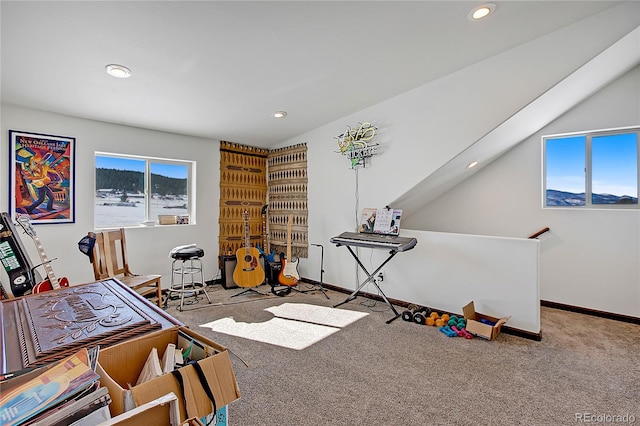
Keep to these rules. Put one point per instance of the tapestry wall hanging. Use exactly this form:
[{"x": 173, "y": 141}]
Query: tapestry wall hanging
[
  {"x": 42, "y": 177},
  {"x": 243, "y": 186},
  {"x": 287, "y": 181}
]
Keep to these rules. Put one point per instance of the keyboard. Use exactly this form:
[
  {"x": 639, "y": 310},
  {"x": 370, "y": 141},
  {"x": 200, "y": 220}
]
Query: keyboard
[{"x": 379, "y": 241}]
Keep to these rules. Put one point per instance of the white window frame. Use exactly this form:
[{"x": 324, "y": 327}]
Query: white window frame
[
  {"x": 589, "y": 135},
  {"x": 191, "y": 166}
]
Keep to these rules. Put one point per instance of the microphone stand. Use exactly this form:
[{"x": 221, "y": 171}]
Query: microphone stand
[{"x": 320, "y": 287}]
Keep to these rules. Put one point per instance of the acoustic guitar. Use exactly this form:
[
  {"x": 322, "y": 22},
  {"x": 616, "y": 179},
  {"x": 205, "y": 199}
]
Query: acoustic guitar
[
  {"x": 51, "y": 282},
  {"x": 248, "y": 271},
  {"x": 289, "y": 270}
]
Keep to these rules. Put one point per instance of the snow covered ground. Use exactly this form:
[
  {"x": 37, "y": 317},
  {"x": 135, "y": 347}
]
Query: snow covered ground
[{"x": 111, "y": 212}]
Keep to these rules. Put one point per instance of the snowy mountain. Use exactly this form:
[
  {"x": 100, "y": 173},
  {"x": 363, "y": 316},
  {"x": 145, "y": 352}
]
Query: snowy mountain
[{"x": 561, "y": 198}]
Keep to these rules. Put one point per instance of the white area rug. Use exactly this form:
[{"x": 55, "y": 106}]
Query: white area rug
[
  {"x": 296, "y": 326},
  {"x": 277, "y": 331},
  {"x": 316, "y": 314}
]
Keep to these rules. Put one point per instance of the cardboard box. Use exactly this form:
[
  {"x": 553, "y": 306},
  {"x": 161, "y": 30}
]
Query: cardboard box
[
  {"x": 480, "y": 324},
  {"x": 120, "y": 365},
  {"x": 159, "y": 412}
]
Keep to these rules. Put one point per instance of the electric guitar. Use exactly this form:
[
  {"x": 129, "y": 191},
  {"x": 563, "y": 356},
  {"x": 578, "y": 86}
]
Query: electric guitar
[
  {"x": 51, "y": 282},
  {"x": 248, "y": 271},
  {"x": 289, "y": 270},
  {"x": 265, "y": 240},
  {"x": 14, "y": 258}
]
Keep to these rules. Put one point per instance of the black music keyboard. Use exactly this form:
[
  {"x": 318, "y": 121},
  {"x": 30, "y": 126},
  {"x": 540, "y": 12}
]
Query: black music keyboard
[{"x": 379, "y": 241}]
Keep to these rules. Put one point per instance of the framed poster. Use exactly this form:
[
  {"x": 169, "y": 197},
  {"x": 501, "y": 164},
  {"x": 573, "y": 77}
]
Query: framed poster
[{"x": 42, "y": 177}]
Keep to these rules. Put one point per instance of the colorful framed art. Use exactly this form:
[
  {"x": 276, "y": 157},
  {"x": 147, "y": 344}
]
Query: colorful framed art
[{"x": 42, "y": 177}]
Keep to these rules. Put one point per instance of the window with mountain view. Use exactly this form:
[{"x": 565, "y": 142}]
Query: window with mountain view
[
  {"x": 133, "y": 191},
  {"x": 592, "y": 169}
]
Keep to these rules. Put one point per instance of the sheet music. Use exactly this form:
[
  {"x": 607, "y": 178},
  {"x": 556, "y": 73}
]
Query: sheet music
[{"x": 380, "y": 221}]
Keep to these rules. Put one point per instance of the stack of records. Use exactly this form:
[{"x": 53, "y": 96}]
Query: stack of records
[{"x": 62, "y": 393}]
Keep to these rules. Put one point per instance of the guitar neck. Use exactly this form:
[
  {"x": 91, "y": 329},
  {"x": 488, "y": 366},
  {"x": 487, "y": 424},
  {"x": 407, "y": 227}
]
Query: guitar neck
[
  {"x": 247, "y": 244},
  {"x": 289, "y": 225},
  {"x": 46, "y": 263},
  {"x": 265, "y": 240}
]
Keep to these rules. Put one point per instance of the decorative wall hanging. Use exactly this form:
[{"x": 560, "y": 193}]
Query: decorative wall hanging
[
  {"x": 287, "y": 170},
  {"x": 243, "y": 186},
  {"x": 356, "y": 145},
  {"x": 42, "y": 177}
]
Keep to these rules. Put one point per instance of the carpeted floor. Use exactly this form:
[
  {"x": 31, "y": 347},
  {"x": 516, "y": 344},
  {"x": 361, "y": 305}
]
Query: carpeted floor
[{"x": 369, "y": 372}]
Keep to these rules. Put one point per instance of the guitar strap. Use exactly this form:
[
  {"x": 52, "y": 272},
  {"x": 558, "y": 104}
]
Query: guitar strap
[
  {"x": 178, "y": 376},
  {"x": 205, "y": 386},
  {"x": 203, "y": 382},
  {"x": 282, "y": 292}
]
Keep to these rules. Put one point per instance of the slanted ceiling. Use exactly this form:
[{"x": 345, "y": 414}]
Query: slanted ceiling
[
  {"x": 615, "y": 61},
  {"x": 219, "y": 69}
]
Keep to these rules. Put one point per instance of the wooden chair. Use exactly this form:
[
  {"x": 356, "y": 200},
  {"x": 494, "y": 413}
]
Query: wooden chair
[{"x": 110, "y": 261}]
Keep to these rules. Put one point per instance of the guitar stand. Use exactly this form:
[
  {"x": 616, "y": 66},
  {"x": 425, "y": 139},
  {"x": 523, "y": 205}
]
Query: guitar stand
[
  {"x": 319, "y": 286},
  {"x": 248, "y": 290},
  {"x": 370, "y": 278}
]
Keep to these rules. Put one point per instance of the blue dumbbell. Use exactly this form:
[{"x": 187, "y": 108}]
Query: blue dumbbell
[{"x": 448, "y": 331}]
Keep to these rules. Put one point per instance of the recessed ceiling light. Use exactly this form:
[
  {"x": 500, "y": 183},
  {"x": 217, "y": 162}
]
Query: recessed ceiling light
[
  {"x": 118, "y": 71},
  {"x": 481, "y": 11},
  {"x": 279, "y": 114},
  {"x": 472, "y": 165}
]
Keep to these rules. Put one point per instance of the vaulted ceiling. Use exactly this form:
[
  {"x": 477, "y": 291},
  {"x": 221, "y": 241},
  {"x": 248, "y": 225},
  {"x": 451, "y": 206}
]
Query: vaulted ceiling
[{"x": 219, "y": 69}]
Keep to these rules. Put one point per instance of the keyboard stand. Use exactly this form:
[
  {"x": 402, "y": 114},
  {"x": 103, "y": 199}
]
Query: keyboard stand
[{"x": 370, "y": 278}]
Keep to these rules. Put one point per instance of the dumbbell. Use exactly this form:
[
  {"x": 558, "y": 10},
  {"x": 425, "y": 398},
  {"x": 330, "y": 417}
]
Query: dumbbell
[
  {"x": 434, "y": 318},
  {"x": 448, "y": 331},
  {"x": 410, "y": 312},
  {"x": 457, "y": 330},
  {"x": 421, "y": 315},
  {"x": 466, "y": 334},
  {"x": 458, "y": 322}
]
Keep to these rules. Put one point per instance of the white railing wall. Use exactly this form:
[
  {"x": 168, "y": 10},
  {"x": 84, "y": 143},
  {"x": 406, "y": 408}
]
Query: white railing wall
[{"x": 446, "y": 271}]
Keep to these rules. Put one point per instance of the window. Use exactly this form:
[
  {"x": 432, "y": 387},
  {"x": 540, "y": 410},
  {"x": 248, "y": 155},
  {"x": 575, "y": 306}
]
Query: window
[
  {"x": 132, "y": 191},
  {"x": 593, "y": 169}
]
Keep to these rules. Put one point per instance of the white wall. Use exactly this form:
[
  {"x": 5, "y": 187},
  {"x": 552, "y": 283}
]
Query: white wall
[
  {"x": 447, "y": 271},
  {"x": 148, "y": 247},
  {"x": 591, "y": 258}
]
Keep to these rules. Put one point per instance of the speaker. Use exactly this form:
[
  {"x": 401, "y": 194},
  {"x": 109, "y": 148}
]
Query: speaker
[
  {"x": 228, "y": 265},
  {"x": 272, "y": 272}
]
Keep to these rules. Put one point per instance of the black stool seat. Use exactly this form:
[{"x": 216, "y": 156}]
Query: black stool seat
[
  {"x": 188, "y": 253},
  {"x": 187, "y": 265}
]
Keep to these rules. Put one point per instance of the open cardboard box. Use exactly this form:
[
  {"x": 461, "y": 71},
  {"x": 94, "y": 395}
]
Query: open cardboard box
[
  {"x": 478, "y": 328},
  {"x": 159, "y": 412},
  {"x": 120, "y": 365}
]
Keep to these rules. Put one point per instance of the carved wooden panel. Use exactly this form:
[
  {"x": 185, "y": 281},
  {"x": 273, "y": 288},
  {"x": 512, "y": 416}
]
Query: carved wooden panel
[
  {"x": 54, "y": 324},
  {"x": 243, "y": 186}
]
